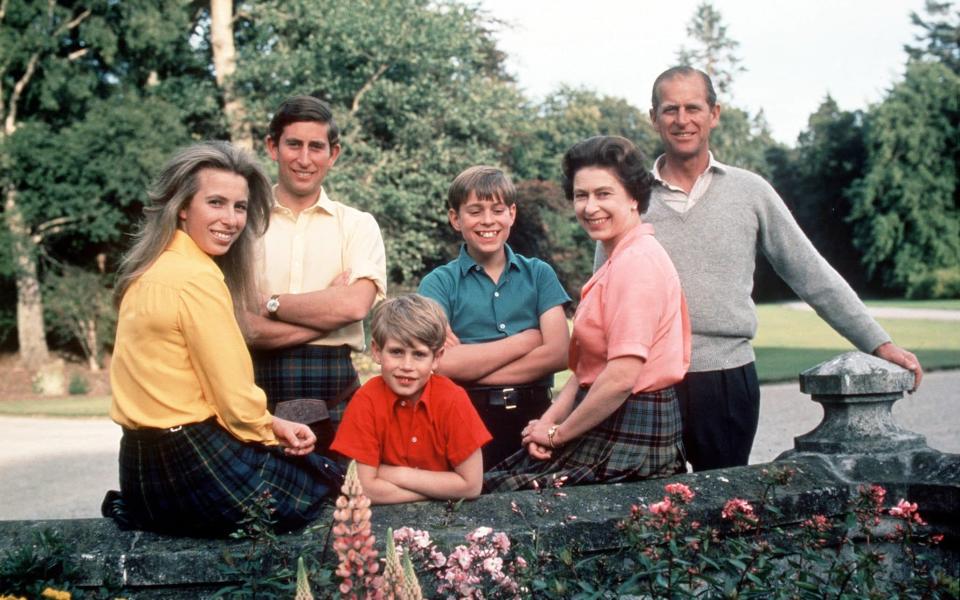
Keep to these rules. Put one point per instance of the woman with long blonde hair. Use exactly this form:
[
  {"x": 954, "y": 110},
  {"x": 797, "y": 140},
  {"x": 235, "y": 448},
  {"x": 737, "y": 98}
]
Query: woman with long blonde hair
[{"x": 199, "y": 447}]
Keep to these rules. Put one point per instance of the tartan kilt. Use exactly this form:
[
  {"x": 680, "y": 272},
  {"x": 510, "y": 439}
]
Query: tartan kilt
[
  {"x": 197, "y": 481},
  {"x": 307, "y": 371},
  {"x": 641, "y": 440}
]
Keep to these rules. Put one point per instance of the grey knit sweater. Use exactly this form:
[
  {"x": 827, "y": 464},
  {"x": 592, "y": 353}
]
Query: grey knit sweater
[{"x": 714, "y": 247}]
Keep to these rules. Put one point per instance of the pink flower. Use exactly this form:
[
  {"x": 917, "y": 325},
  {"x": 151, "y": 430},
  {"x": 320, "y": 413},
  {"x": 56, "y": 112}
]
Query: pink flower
[
  {"x": 661, "y": 508},
  {"x": 817, "y": 523},
  {"x": 478, "y": 534},
  {"x": 680, "y": 492},
  {"x": 740, "y": 512},
  {"x": 907, "y": 511}
]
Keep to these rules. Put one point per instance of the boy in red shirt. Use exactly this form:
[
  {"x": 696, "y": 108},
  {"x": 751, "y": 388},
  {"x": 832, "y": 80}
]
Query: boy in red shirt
[{"x": 414, "y": 435}]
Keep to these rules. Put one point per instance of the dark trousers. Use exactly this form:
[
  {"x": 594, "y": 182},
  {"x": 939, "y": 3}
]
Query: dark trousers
[
  {"x": 720, "y": 411},
  {"x": 505, "y": 412}
]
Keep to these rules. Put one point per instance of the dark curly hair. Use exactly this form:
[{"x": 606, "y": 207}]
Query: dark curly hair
[{"x": 620, "y": 156}]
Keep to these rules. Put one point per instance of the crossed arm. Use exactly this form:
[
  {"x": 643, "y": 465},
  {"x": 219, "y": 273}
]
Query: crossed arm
[
  {"x": 525, "y": 356},
  {"x": 390, "y": 484},
  {"x": 308, "y": 316}
]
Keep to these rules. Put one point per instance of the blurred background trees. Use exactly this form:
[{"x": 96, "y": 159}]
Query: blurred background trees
[{"x": 95, "y": 95}]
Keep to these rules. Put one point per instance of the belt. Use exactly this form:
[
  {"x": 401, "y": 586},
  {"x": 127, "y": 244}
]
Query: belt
[
  {"x": 152, "y": 434},
  {"x": 509, "y": 397}
]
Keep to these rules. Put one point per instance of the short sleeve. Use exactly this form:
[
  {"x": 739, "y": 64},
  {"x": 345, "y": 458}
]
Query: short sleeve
[
  {"x": 364, "y": 253},
  {"x": 550, "y": 292},
  {"x": 435, "y": 285},
  {"x": 465, "y": 431},
  {"x": 356, "y": 436},
  {"x": 221, "y": 360}
]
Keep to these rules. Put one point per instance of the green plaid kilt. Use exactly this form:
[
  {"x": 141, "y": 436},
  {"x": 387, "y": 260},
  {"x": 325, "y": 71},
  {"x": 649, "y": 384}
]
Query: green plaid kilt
[
  {"x": 199, "y": 480},
  {"x": 640, "y": 440},
  {"x": 306, "y": 371}
]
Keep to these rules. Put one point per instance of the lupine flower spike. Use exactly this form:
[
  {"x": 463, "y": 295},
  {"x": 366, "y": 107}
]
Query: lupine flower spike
[
  {"x": 303, "y": 584},
  {"x": 354, "y": 541}
]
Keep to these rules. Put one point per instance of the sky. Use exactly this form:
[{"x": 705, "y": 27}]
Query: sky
[{"x": 795, "y": 51}]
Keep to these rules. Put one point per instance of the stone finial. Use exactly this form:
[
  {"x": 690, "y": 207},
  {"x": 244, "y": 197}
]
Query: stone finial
[
  {"x": 857, "y": 392},
  {"x": 855, "y": 373}
]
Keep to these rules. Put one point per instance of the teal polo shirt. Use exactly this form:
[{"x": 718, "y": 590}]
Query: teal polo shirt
[{"x": 481, "y": 310}]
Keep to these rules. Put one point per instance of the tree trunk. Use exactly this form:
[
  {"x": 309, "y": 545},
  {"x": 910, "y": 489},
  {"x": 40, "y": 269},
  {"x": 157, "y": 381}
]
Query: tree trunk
[
  {"x": 225, "y": 65},
  {"x": 31, "y": 333}
]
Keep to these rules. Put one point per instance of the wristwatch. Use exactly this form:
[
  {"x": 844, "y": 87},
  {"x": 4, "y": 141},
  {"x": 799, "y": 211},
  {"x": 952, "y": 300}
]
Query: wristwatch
[
  {"x": 550, "y": 435},
  {"x": 273, "y": 305}
]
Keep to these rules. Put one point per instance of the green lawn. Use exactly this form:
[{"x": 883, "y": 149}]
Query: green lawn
[
  {"x": 788, "y": 341},
  {"x": 931, "y": 304},
  {"x": 71, "y": 406}
]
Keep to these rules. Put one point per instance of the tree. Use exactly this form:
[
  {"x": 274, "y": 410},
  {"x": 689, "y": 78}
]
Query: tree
[
  {"x": 714, "y": 51},
  {"x": 419, "y": 90},
  {"x": 566, "y": 117},
  {"x": 87, "y": 85},
  {"x": 905, "y": 209},
  {"x": 940, "y": 37},
  {"x": 831, "y": 155},
  {"x": 224, "y": 53}
]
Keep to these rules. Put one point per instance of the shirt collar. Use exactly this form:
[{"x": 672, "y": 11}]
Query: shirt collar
[
  {"x": 182, "y": 243},
  {"x": 640, "y": 230},
  {"x": 712, "y": 164},
  {"x": 323, "y": 203},
  {"x": 466, "y": 262},
  {"x": 424, "y": 399}
]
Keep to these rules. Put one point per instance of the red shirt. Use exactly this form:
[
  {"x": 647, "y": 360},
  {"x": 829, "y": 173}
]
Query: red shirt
[{"x": 437, "y": 434}]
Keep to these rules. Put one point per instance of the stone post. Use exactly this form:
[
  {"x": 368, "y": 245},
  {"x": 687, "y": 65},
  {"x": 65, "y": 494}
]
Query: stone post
[{"x": 858, "y": 436}]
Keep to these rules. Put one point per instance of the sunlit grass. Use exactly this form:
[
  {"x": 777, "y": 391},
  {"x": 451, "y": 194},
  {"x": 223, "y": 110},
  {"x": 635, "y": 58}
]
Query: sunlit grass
[{"x": 70, "y": 406}]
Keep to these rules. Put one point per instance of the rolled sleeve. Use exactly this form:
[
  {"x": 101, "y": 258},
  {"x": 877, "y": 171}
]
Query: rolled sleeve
[{"x": 365, "y": 255}]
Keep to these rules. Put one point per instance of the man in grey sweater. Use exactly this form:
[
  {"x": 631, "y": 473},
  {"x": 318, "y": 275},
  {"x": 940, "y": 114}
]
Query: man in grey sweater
[{"x": 712, "y": 219}]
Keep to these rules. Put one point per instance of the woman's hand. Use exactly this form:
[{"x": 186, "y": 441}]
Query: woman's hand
[
  {"x": 536, "y": 433},
  {"x": 297, "y": 439},
  {"x": 539, "y": 452}
]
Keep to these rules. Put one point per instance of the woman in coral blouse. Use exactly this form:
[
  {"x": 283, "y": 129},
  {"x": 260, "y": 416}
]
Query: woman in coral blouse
[
  {"x": 199, "y": 447},
  {"x": 617, "y": 416}
]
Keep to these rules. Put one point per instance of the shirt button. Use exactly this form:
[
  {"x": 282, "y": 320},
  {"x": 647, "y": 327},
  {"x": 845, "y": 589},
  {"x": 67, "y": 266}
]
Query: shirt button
[
  {"x": 502, "y": 326},
  {"x": 414, "y": 439},
  {"x": 403, "y": 403},
  {"x": 496, "y": 294}
]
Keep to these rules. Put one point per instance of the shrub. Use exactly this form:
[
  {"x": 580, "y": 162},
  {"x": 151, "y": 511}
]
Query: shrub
[{"x": 78, "y": 385}]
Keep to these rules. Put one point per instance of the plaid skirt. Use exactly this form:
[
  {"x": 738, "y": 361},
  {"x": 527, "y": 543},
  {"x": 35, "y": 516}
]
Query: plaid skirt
[
  {"x": 640, "y": 440},
  {"x": 202, "y": 481},
  {"x": 307, "y": 371}
]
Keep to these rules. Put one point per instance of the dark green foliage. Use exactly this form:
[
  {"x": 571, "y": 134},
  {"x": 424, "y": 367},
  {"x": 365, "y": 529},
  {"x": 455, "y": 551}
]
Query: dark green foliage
[
  {"x": 27, "y": 570},
  {"x": 566, "y": 117},
  {"x": 939, "y": 39},
  {"x": 418, "y": 90},
  {"x": 79, "y": 308},
  {"x": 905, "y": 209}
]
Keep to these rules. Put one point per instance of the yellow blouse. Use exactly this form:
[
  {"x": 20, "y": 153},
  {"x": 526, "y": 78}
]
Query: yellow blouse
[{"x": 179, "y": 356}]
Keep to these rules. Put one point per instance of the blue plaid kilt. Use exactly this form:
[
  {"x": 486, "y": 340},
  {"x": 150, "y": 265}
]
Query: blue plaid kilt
[
  {"x": 640, "y": 440},
  {"x": 307, "y": 371},
  {"x": 198, "y": 480}
]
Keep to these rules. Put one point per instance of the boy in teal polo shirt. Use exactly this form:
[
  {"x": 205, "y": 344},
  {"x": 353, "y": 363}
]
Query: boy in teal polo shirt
[{"x": 508, "y": 331}]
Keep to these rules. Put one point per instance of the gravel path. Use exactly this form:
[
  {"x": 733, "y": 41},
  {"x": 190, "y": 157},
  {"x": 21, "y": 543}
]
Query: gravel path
[{"x": 60, "y": 468}]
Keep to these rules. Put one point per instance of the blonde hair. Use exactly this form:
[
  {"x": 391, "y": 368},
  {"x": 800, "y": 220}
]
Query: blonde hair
[
  {"x": 172, "y": 191},
  {"x": 407, "y": 319}
]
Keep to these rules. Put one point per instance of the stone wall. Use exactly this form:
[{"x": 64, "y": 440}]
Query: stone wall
[{"x": 857, "y": 443}]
